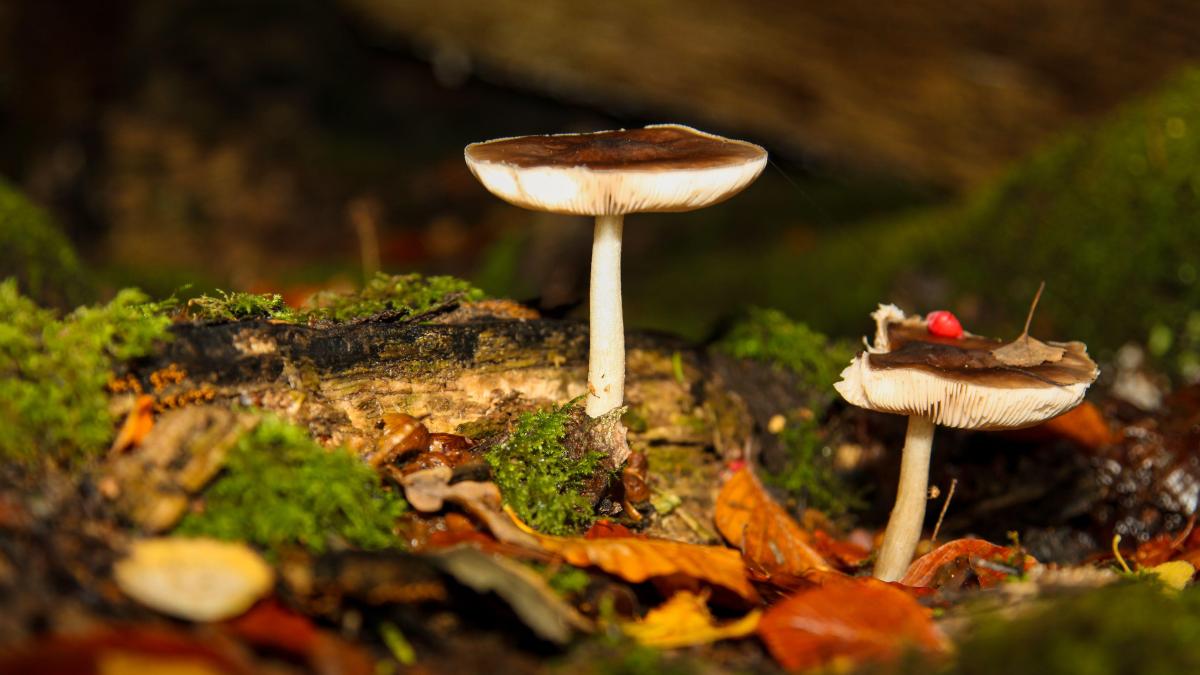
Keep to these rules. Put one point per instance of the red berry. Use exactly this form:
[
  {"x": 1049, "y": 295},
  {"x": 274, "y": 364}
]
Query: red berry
[
  {"x": 944, "y": 324},
  {"x": 737, "y": 465}
]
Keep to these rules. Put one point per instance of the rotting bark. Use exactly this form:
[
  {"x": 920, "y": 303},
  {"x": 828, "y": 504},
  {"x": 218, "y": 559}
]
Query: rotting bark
[{"x": 470, "y": 378}]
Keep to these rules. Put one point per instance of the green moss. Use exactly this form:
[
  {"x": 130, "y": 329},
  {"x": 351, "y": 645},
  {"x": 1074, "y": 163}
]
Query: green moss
[
  {"x": 410, "y": 294},
  {"x": 53, "y": 371},
  {"x": 1106, "y": 216},
  {"x": 237, "y": 306},
  {"x": 768, "y": 335},
  {"x": 540, "y": 477},
  {"x": 569, "y": 580},
  {"x": 34, "y": 251},
  {"x": 279, "y": 487},
  {"x": 406, "y": 294},
  {"x": 1127, "y": 628},
  {"x": 809, "y": 475}
]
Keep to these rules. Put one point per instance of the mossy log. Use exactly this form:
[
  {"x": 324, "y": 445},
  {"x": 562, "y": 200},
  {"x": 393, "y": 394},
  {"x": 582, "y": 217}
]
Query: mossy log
[{"x": 688, "y": 409}]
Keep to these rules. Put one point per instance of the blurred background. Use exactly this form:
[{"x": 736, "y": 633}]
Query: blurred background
[{"x": 929, "y": 154}]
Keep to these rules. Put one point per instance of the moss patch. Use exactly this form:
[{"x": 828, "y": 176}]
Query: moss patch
[
  {"x": 809, "y": 475},
  {"x": 540, "y": 477},
  {"x": 768, "y": 335},
  {"x": 53, "y": 371},
  {"x": 237, "y": 306},
  {"x": 279, "y": 487},
  {"x": 34, "y": 251},
  {"x": 1128, "y": 628},
  {"x": 409, "y": 294}
]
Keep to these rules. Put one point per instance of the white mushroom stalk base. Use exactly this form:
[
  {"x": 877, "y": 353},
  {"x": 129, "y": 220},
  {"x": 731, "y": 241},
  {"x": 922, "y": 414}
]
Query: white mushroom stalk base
[
  {"x": 606, "y": 357},
  {"x": 908, "y": 515}
]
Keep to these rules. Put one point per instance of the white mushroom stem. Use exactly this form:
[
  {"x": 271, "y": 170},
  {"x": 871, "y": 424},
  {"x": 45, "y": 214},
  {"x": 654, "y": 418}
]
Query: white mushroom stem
[
  {"x": 606, "y": 358},
  {"x": 908, "y": 515}
]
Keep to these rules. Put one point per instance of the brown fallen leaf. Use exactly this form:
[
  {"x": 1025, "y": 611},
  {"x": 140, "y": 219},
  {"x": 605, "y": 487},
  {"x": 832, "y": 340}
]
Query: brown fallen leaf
[
  {"x": 1084, "y": 426},
  {"x": 991, "y": 564},
  {"x": 137, "y": 425},
  {"x": 634, "y": 559},
  {"x": 749, "y": 519},
  {"x": 1026, "y": 351},
  {"x": 852, "y": 621},
  {"x": 684, "y": 620},
  {"x": 428, "y": 489}
]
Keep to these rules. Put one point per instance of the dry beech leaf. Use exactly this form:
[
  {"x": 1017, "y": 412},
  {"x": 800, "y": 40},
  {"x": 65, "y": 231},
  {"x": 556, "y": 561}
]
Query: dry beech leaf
[
  {"x": 195, "y": 579},
  {"x": 684, "y": 620},
  {"x": 989, "y": 562},
  {"x": 852, "y": 621},
  {"x": 637, "y": 559},
  {"x": 1083, "y": 425},
  {"x": 526, "y": 591},
  {"x": 1027, "y": 351},
  {"x": 749, "y": 519}
]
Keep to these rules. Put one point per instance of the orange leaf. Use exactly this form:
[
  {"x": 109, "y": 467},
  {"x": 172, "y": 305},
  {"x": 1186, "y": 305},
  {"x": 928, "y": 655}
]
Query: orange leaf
[
  {"x": 637, "y": 559},
  {"x": 976, "y": 554},
  {"x": 852, "y": 621},
  {"x": 1083, "y": 425},
  {"x": 138, "y": 423},
  {"x": 749, "y": 519},
  {"x": 683, "y": 621}
]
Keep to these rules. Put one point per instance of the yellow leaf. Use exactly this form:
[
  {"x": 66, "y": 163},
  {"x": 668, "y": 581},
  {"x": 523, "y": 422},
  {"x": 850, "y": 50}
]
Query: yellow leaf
[
  {"x": 637, "y": 559},
  {"x": 683, "y": 621},
  {"x": 1175, "y": 574}
]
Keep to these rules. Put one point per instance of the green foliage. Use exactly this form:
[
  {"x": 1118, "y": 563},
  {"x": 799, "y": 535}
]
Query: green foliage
[
  {"x": 538, "y": 476},
  {"x": 1106, "y": 216},
  {"x": 768, "y": 335},
  {"x": 237, "y": 306},
  {"x": 53, "y": 370},
  {"x": 411, "y": 294},
  {"x": 34, "y": 251},
  {"x": 280, "y": 487},
  {"x": 407, "y": 294},
  {"x": 809, "y": 475},
  {"x": 1132, "y": 627},
  {"x": 569, "y": 580}
]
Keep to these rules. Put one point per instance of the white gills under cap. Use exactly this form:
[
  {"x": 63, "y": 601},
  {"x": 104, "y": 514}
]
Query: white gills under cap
[
  {"x": 956, "y": 382},
  {"x": 660, "y": 168}
]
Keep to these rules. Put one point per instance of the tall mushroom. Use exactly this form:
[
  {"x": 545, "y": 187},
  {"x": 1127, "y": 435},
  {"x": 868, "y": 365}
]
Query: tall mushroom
[
  {"x": 968, "y": 382},
  {"x": 607, "y": 175}
]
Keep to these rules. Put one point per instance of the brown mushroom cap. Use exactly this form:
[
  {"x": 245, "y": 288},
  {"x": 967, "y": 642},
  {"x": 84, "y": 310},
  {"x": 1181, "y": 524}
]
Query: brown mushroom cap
[
  {"x": 958, "y": 382},
  {"x": 659, "y": 168}
]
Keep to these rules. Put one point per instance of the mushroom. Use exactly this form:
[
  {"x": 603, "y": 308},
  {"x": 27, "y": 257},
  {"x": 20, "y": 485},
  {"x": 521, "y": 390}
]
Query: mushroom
[
  {"x": 607, "y": 175},
  {"x": 968, "y": 382}
]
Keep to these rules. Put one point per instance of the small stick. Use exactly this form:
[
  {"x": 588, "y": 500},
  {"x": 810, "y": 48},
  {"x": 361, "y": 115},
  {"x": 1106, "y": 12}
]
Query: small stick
[
  {"x": 1032, "y": 309},
  {"x": 945, "y": 505}
]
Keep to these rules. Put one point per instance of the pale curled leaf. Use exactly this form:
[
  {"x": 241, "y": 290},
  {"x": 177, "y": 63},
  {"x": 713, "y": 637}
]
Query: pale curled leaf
[
  {"x": 683, "y": 621},
  {"x": 527, "y": 592}
]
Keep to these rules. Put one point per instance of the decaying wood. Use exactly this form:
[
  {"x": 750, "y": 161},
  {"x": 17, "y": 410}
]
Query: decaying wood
[{"x": 471, "y": 378}]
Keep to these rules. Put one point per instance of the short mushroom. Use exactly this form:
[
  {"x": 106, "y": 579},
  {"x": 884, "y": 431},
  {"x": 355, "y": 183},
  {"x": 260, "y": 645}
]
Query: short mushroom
[
  {"x": 607, "y": 175},
  {"x": 967, "y": 382}
]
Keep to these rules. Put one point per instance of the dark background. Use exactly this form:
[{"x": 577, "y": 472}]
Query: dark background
[{"x": 924, "y": 153}]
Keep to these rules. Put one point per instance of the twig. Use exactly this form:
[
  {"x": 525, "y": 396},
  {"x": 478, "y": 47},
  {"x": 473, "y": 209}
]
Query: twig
[{"x": 945, "y": 505}]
